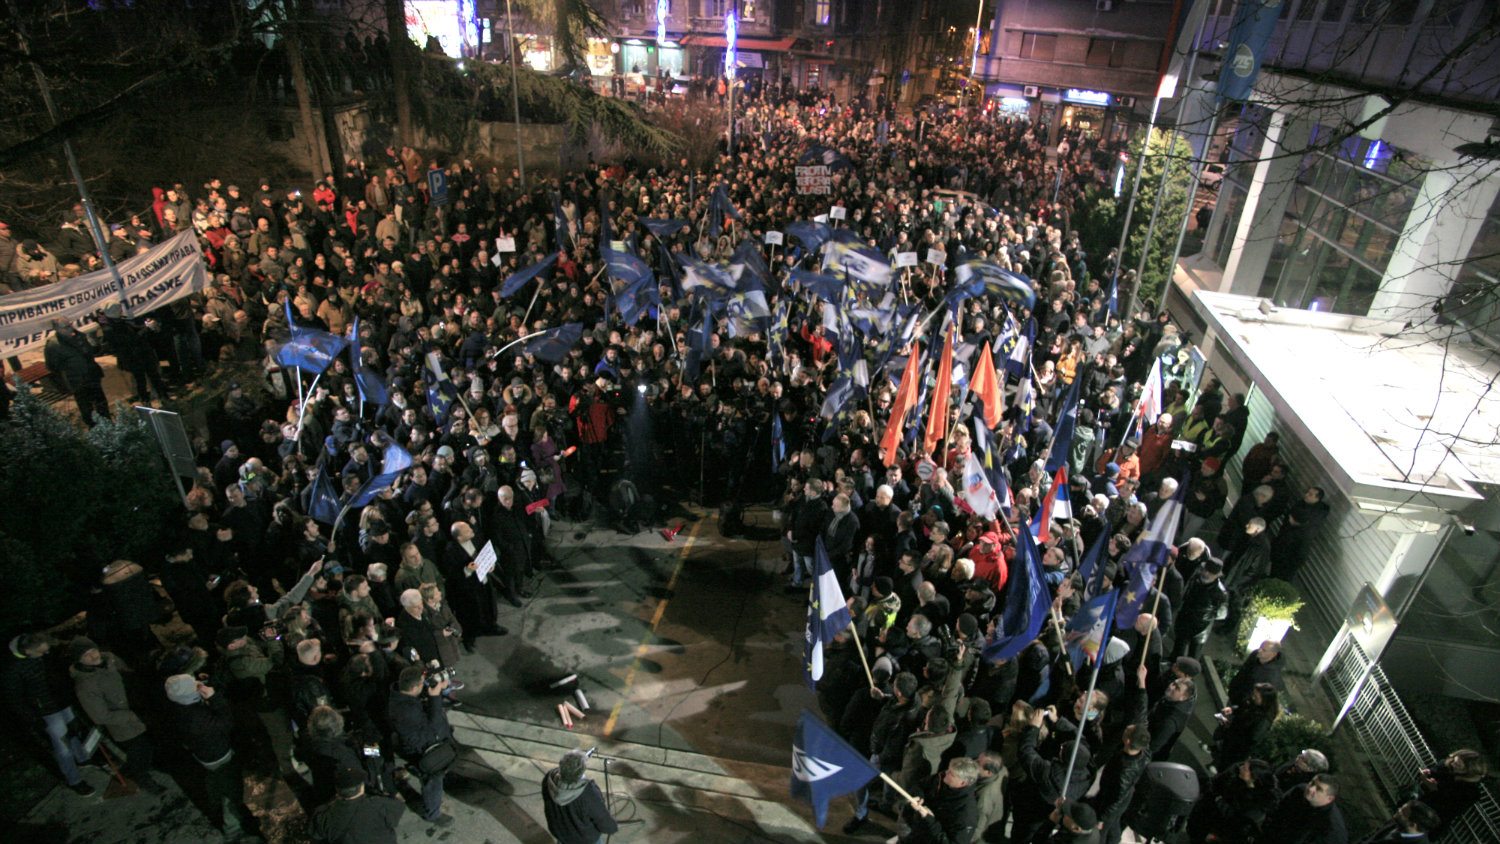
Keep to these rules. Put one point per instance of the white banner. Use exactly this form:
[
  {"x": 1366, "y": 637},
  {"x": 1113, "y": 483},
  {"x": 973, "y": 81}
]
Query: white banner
[
  {"x": 837, "y": 212},
  {"x": 937, "y": 257},
  {"x": 906, "y": 259},
  {"x": 774, "y": 238},
  {"x": 160, "y": 276}
]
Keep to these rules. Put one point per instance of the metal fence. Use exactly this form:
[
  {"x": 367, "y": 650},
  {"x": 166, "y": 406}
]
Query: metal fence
[{"x": 1394, "y": 748}]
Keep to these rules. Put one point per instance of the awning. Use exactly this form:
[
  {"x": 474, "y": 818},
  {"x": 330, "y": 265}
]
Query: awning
[{"x": 769, "y": 45}]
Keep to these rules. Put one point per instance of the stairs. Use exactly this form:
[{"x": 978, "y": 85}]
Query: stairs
[{"x": 749, "y": 801}]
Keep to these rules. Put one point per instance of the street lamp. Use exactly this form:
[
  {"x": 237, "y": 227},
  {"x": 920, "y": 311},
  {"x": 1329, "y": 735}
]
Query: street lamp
[{"x": 731, "y": 35}]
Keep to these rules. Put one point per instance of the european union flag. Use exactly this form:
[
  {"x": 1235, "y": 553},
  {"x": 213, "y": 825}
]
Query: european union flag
[
  {"x": 1148, "y": 555},
  {"x": 856, "y": 259},
  {"x": 1026, "y": 604},
  {"x": 634, "y": 298},
  {"x": 309, "y": 349},
  {"x": 1091, "y": 567},
  {"x": 827, "y": 614},
  {"x": 812, "y": 233},
  {"x": 824, "y": 766},
  {"x": 369, "y": 383},
  {"x": 517, "y": 280},
  {"x": 827, "y": 287},
  {"x": 554, "y": 344},
  {"x": 838, "y": 395},
  {"x": 395, "y": 461},
  {"x": 323, "y": 504},
  {"x": 698, "y": 275},
  {"x": 440, "y": 398}
]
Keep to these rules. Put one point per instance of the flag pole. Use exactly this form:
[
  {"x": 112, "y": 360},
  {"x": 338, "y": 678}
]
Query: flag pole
[
  {"x": 1161, "y": 577},
  {"x": 1062, "y": 639},
  {"x": 860, "y": 646},
  {"x": 313, "y": 389},
  {"x": 1088, "y": 700},
  {"x": 533, "y": 303},
  {"x": 897, "y": 788}
]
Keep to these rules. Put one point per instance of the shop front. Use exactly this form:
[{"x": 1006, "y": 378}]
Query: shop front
[{"x": 1085, "y": 111}]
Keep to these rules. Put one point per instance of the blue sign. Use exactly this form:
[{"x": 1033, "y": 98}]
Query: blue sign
[
  {"x": 437, "y": 186},
  {"x": 1254, "y": 24},
  {"x": 1078, "y": 95}
]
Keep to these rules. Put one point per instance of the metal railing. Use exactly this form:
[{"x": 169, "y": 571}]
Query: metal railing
[{"x": 1395, "y": 749}]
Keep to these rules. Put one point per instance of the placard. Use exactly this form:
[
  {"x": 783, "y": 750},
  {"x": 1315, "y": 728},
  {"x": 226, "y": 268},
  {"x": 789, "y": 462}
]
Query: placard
[
  {"x": 906, "y": 259},
  {"x": 485, "y": 562},
  {"x": 821, "y": 218},
  {"x": 937, "y": 257},
  {"x": 838, "y": 212},
  {"x": 814, "y": 178},
  {"x": 774, "y": 239},
  {"x": 505, "y": 244},
  {"x": 617, "y": 245}
]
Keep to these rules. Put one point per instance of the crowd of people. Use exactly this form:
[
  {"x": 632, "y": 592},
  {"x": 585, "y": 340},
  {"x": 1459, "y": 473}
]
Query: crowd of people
[{"x": 327, "y": 649}]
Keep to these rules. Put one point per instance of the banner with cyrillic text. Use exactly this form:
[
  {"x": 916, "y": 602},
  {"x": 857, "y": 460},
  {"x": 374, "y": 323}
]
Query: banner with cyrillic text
[{"x": 159, "y": 276}]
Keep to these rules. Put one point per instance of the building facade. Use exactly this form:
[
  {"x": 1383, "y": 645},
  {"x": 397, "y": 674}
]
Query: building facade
[{"x": 1078, "y": 64}]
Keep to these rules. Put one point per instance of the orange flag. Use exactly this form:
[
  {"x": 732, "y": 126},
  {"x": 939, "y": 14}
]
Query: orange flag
[
  {"x": 937, "y": 418},
  {"x": 906, "y": 396},
  {"x": 986, "y": 386}
]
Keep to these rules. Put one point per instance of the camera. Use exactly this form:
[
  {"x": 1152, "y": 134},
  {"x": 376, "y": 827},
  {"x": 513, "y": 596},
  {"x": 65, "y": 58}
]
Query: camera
[
  {"x": 371, "y": 750},
  {"x": 432, "y": 677},
  {"x": 272, "y": 630}
]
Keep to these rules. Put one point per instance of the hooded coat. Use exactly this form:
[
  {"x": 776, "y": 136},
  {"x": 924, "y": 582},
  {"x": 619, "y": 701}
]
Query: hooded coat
[
  {"x": 101, "y": 694},
  {"x": 575, "y": 811}
]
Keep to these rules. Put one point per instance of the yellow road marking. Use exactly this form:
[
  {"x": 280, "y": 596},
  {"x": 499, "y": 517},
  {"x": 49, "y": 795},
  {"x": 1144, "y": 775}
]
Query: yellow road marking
[{"x": 644, "y": 647}]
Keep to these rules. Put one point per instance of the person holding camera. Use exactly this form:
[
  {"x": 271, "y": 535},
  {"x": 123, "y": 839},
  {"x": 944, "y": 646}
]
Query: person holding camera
[
  {"x": 574, "y": 807},
  {"x": 421, "y": 735}
]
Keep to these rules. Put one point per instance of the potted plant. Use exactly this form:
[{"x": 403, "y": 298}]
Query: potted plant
[
  {"x": 1289, "y": 735},
  {"x": 1269, "y": 613}
]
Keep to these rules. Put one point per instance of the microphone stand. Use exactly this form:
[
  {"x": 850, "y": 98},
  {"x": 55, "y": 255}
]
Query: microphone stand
[{"x": 609, "y": 798}]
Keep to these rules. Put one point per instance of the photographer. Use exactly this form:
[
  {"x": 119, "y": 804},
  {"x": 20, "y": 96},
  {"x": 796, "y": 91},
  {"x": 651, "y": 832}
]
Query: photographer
[
  {"x": 327, "y": 750},
  {"x": 575, "y": 808},
  {"x": 420, "y": 732},
  {"x": 356, "y": 817}
]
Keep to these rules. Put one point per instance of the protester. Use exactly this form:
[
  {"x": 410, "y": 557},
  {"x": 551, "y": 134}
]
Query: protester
[{"x": 573, "y": 805}]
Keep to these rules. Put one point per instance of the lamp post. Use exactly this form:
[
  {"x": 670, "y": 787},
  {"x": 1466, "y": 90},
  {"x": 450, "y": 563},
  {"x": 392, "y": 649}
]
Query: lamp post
[{"x": 731, "y": 35}]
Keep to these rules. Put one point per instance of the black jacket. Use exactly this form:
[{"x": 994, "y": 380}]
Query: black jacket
[
  {"x": 1252, "y": 672},
  {"x": 1295, "y": 821},
  {"x": 955, "y": 812},
  {"x": 1117, "y": 785},
  {"x": 1168, "y": 718},
  {"x": 33, "y": 686},
  {"x": 417, "y": 723},
  {"x": 365, "y": 820},
  {"x": 808, "y": 521},
  {"x": 204, "y": 727},
  {"x": 575, "y": 812},
  {"x": 418, "y": 633}
]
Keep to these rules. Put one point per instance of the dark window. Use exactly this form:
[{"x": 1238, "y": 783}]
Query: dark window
[
  {"x": 1106, "y": 52},
  {"x": 1334, "y": 10},
  {"x": 1038, "y": 47}
]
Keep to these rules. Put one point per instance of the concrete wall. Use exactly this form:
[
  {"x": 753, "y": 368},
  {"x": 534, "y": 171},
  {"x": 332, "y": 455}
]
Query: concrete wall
[
  {"x": 1141, "y": 27},
  {"x": 545, "y": 146}
]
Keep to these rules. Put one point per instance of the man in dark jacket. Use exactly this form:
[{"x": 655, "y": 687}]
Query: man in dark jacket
[
  {"x": 949, "y": 812},
  {"x": 201, "y": 720},
  {"x": 418, "y": 722},
  {"x": 1203, "y": 600},
  {"x": 134, "y": 353},
  {"x": 1117, "y": 785},
  {"x": 1035, "y": 798},
  {"x": 574, "y": 807},
  {"x": 355, "y": 817},
  {"x": 1262, "y": 666},
  {"x": 1308, "y": 815},
  {"x": 36, "y": 689},
  {"x": 809, "y": 520},
  {"x": 70, "y": 358},
  {"x": 1170, "y": 715}
]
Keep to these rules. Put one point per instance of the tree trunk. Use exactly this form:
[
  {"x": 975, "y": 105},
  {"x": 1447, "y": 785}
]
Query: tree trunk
[
  {"x": 317, "y": 152},
  {"x": 400, "y": 51}
]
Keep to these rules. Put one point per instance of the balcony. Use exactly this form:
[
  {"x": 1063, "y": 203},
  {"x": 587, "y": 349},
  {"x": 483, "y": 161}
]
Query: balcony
[{"x": 760, "y": 26}]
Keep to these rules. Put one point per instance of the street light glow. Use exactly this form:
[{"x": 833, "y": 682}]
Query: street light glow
[{"x": 731, "y": 34}]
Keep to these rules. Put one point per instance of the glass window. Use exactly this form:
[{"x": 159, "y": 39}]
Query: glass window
[
  {"x": 1474, "y": 299},
  {"x": 821, "y": 11},
  {"x": 1306, "y": 10},
  {"x": 1333, "y": 10},
  {"x": 1039, "y": 47},
  {"x": 1106, "y": 52}
]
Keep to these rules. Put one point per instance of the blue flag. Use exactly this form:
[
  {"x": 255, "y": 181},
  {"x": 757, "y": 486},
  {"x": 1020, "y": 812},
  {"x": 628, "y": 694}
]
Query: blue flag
[
  {"x": 971, "y": 278},
  {"x": 812, "y": 234},
  {"x": 827, "y": 614},
  {"x": 1091, "y": 567},
  {"x": 441, "y": 397},
  {"x": 1062, "y": 438},
  {"x": 554, "y": 344},
  {"x": 778, "y": 442},
  {"x": 838, "y": 396},
  {"x": 1147, "y": 556},
  {"x": 698, "y": 275},
  {"x": 367, "y": 381},
  {"x": 309, "y": 349},
  {"x": 560, "y": 220},
  {"x": 1254, "y": 24},
  {"x": 1026, "y": 604},
  {"x": 824, "y": 766},
  {"x": 663, "y": 228},
  {"x": 517, "y": 280},
  {"x": 323, "y": 504},
  {"x": 829, "y": 288},
  {"x": 720, "y": 207},
  {"x": 855, "y": 259},
  {"x": 633, "y": 299},
  {"x": 395, "y": 461},
  {"x": 1088, "y": 629}
]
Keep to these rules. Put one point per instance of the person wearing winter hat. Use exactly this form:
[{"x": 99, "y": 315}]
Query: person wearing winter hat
[
  {"x": 33, "y": 686},
  {"x": 101, "y": 694},
  {"x": 201, "y": 720},
  {"x": 356, "y": 817}
]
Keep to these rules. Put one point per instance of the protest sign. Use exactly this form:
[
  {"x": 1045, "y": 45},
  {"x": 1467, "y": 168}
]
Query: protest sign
[{"x": 485, "y": 562}]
